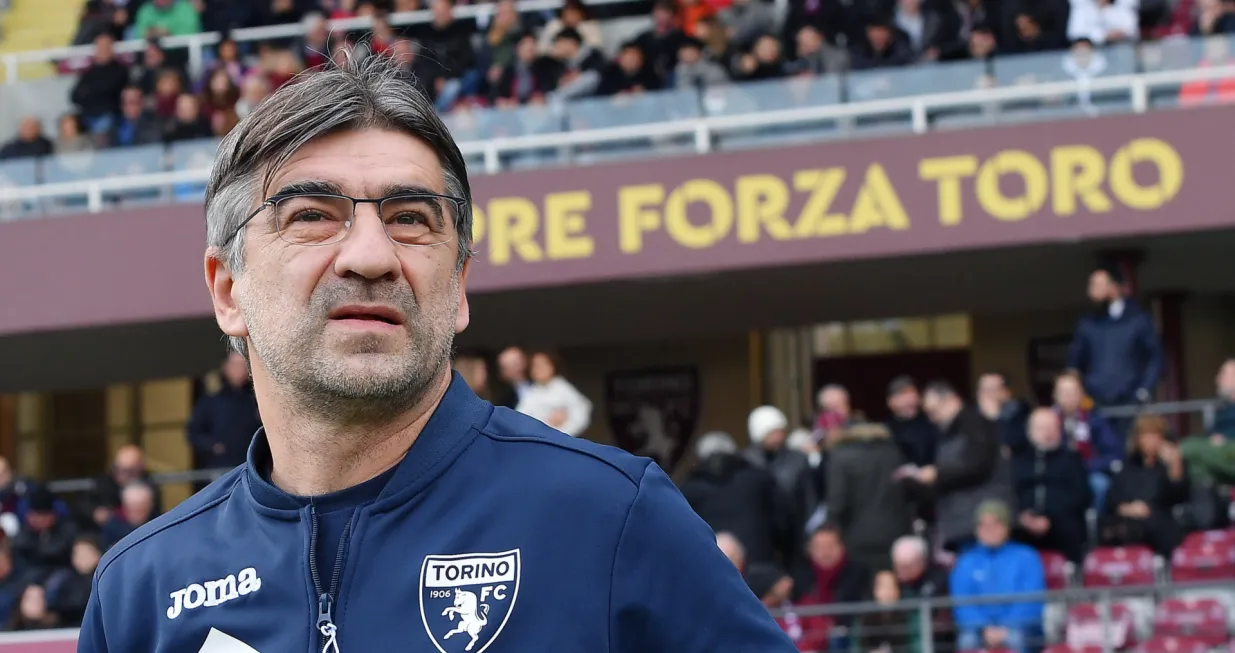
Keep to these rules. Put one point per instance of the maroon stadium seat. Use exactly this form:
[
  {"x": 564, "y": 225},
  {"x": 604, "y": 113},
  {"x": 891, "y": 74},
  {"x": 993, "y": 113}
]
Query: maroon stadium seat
[
  {"x": 1056, "y": 568},
  {"x": 1064, "y": 648},
  {"x": 1119, "y": 566},
  {"x": 1173, "y": 645},
  {"x": 1203, "y": 619},
  {"x": 1203, "y": 557},
  {"x": 1084, "y": 627}
]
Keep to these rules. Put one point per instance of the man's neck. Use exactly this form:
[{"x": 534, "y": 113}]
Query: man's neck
[{"x": 311, "y": 456}]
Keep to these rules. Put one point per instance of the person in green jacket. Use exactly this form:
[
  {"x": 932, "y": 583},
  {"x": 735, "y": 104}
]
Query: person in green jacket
[
  {"x": 166, "y": 18},
  {"x": 1211, "y": 457},
  {"x": 888, "y": 631}
]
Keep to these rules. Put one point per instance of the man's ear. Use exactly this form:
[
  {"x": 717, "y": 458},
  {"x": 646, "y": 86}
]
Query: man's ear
[
  {"x": 464, "y": 316},
  {"x": 221, "y": 284}
]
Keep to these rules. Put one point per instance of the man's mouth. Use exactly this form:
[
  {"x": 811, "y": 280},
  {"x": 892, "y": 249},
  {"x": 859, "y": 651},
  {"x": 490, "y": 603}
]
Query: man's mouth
[{"x": 367, "y": 313}]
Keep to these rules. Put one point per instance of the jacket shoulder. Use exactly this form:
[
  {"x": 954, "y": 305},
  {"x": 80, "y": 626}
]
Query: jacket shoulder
[
  {"x": 196, "y": 505},
  {"x": 508, "y": 426}
]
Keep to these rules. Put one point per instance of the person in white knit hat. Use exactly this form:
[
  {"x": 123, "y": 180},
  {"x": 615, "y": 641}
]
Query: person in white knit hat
[{"x": 768, "y": 429}]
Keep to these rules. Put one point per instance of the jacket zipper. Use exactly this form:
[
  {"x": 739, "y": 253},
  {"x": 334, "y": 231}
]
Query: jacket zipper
[{"x": 326, "y": 596}]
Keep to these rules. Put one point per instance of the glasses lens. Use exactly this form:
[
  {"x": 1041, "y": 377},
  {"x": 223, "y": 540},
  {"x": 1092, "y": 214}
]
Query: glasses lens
[
  {"x": 416, "y": 219},
  {"x": 312, "y": 219}
]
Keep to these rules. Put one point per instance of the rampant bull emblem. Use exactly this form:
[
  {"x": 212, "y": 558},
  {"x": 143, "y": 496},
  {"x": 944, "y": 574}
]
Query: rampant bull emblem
[{"x": 478, "y": 591}]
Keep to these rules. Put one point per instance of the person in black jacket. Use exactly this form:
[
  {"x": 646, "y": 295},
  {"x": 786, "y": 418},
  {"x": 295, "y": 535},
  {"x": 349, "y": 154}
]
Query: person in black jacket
[
  {"x": 136, "y": 124},
  {"x": 97, "y": 92},
  {"x": 1010, "y": 414},
  {"x": 45, "y": 542},
  {"x": 1052, "y": 490},
  {"x": 68, "y": 597},
  {"x": 30, "y": 141},
  {"x": 734, "y": 496},
  {"x": 911, "y": 431},
  {"x": 1140, "y": 504},
  {"x": 884, "y": 46},
  {"x": 223, "y": 423},
  {"x": 866, "y": 502},
  {"x": 526, "y": 79},
  {"x": 627, "y": 74}
]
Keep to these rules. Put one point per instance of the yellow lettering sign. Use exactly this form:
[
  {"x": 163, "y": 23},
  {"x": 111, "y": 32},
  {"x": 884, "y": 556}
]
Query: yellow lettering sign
[
  {"x": 565, "y": 222},
  {"x": 635, "y": 215}
]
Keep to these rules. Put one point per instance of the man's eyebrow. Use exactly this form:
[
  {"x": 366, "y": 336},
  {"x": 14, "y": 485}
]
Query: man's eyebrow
[
  {"x": 390, "y": 190},
  {"x": 307, "y": 186}
]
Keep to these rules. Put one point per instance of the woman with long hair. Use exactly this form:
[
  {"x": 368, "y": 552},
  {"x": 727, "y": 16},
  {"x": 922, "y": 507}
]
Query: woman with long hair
[
  {"x": 553, "y": 400},
  {"x": 1140, "y": 503}
]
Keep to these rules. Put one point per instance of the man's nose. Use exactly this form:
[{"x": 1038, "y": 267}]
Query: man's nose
[{"x": 367, "y": 251}]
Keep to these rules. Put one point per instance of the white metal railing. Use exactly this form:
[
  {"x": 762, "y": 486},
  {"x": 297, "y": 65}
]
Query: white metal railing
[
  {"x": 196, "y": 43},
  {"x": 702, "y": 129}
]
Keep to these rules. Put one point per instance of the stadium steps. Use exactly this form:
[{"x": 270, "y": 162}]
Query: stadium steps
[{"x": 37, "y": 25}]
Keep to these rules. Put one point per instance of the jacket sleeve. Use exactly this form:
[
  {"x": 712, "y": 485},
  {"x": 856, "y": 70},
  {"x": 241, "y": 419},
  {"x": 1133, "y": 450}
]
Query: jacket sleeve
[
  {"x": 974, "y": 466},
  {"x": 967, "y": 615},
  {"x": 839, "y": 497},
  {"x": 578, "y": 410},
  {"x": 673, "y": 591},
  {"x": 1078, "y": 351},
  {"x": 1151, "y": 349},
  {"x": 1079, "y": 496},
  {"x": 91, "y": 639},
  {"x": 1108, "y": 445}
]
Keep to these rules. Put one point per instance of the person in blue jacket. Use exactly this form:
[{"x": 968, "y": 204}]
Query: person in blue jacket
[
  {"x": 997, "y": 567},
  {"x": 384, "y": 506}
]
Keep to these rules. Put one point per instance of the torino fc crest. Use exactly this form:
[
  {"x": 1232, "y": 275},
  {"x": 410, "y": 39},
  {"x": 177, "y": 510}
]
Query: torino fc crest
[{"x": 466, "y": 599}]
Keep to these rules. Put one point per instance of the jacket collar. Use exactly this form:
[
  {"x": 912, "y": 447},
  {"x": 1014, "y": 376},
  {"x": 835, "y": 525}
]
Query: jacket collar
[{"x": 453, "y": 425}]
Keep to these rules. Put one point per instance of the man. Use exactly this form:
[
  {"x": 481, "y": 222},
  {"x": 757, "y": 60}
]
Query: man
[
  {"x": 136, "y": 124},
  {"x": 30, "y": 141},
  {"x": 1211, "y": 458},
  {"x": 383, "y": 506},
  {"x": 512, "y": 367},
  {"x": 997, "y": 567},
  {"x": 911, "y": 431},
  {"x": 837, "y": 577},
  {"x": 884, "y": 47},
  {"x": 1115, "y": 349},
  {"x": 167, "y": 18},
  {"x": 136, "y": 508},
  {"x": 12, "y": 581},
  {"x": 128, "y": 466},
  {"x": 866, "y": 500},
  {"x": 996, "y": 403},
  {"x": 1052, "y": 490},
  {"x": 835, "y": 412},
  {"x": 628, "y": 74},
  {"x": 447, "y": 58},
  {"x": 969, "y": 469},
  {"x": 920, "y": 578},
  {"x": 45, "y": 543},
  {"x": 97, "y": 91},
  {"x": 580, "y": 68},
  {"x": 768, "y": 430},
  {"x": 223, "y": 424}
]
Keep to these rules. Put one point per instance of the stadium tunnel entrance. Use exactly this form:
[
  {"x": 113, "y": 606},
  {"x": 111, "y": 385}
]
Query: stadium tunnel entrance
[{"x": 69, "y": 399}]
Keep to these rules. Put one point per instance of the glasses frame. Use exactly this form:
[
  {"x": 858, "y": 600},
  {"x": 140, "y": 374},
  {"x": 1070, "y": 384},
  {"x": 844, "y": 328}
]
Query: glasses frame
[{"x": 269, "y": 203}]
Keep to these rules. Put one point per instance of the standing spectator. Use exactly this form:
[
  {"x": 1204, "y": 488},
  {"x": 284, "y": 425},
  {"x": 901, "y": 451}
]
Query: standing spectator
[
  {"x": 696, "y": 71},
  {"x": 97, "y": 92},
  {"x": 996, "y": 403},
  {"x": 890, "y": 629},
  {"x": 504, "y": 35},
  {"x": 553, "y": 400},
  {"x": 30, "y": 141},
  {"x": 72, "y": 592},
  {"x": 188, "y": 123},
  {"x": 46, "y": 543},
  {"x": 837, "y": 577},
  {"x": 136, "y": 125},
  {"x": 1211, "y": 458},
  {"x": 815, "y": 56},
  {"x": 733, "y": 496},
  {"x": 933, "y": 27},
  {"x": 223, "y": 424},
  {"x": 768, "y": 431},
  {"x": 1089, "y": 434},
  {"x": 765, "y": 61},
  {"x": 12, "y": 581},
  {"x": 128, "y": 466},
  {"x": 883, "y": 47},
  {"x": 716, "y": 46},
  {"x": 835, "y": 413},
  {"x": 747, "y": 20},
  {"x": 1104, "y": 21},
  {"x": 71, "y": 137},
  {"x": 997, "y": 566},
  {"x": 628, "y": 74},
  {"x": 136, "y": 508},
  {"x": 662, "y": 43},
  {"x": 866, "y": 502},
  {"x": 512, "y": 368},
  {"x": 447, "y": 46},
  {"x": 1052, "y": 490},
  {"x": 32, "y": 612},
  {"x": 573, "y": 15},
  {"x": 911, "y": 431},
  {"x": 1140, "y": 504},
  {"x": 581, "y": 65},
  {"x": 1115, "y": 349},
  {"x": 158, "y": 18},
  {"x": 690, "y": 12},
  {"x": 969, "y": 467}
]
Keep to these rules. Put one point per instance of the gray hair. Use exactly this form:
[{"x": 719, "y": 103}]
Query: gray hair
[
  {"x": 361, "y": 93},
  {"x": 716, "y": 442},
  {"x": 910, "y": 545}
]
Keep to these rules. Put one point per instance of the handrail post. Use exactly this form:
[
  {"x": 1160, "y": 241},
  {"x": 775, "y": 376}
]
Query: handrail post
[
  {"x": 94, "y": 198},
  {"x": 926, "y": 627},
  {"x": 1140, "y": 95},
  {"x": 917, "y": 115},
  {"x": 1104, "y": 617},
  {"x": 493, "y": 162},
  {"x": 703, "y": 138},
  {"x": 10, "y": 68},
  {"x": 195, "y": 56}
]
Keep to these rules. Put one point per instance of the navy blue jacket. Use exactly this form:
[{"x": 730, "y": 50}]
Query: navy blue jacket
[
  {"x": 495, "y": 530},
  {"x": 1116, "y": 357},
  {"x": 228, "y": 417}
]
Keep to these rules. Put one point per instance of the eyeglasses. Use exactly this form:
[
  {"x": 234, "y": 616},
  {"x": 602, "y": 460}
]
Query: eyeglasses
[{"x": 312, "y": 219}]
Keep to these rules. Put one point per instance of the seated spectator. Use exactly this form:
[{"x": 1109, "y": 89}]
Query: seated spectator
[
  {"x": 867, "y": 502},
  {"x": 227, "y": 59},
  {"x": 982, "y": 44},
  {"x": 158, "y": 18},
  {"x": 920, "y": 578},
  {"x": 969, "y": 468},
  {"x": 314, "y": 45},
  {"x": 1052, "y": 490},
  {"x": 554, "y": 400},
  {"x": 223, "y": 122},
  {"x": 1029, "y": 36},
  {"x": 279, "y": 65},
  {"x": 136, "y": 508},
  {"x": 733, "y": 496},
  {"x": 890, "y": 629},
  {"x": 72, "y": 137},
  {"x": 581, "y": 65},
  {"x": 996, "y": 403},
  {"x": 100, "y": 17},
  {"x": 746, "y": 21},
  {"x": 628, "y": 74},
  {"x": 1213, "y": 17},
  {"x": 573, "y": 15},
  {"x": 97, "y": 91},
  {"x": 662, "y": 43},
  {"x": 153, "y": 63},
  {"x": 72, "y": 592},
  {"x": 1211, "y": 458},
  {"x": 12, "y": 499},
  {"x": 136, "y": 124},
  {"x": 527, "y": 78},
  {"x": 128, "y": 465},
  {"x": 883, "y": 47},
  {"x": 732, "y": 547},
  {"x": 1104, "y": 21},
  {"x": 1089, "y": 434},
  {"x": 30, "y": 141},
  {"x": 220, "y": 94},
  {"x": 911, "y": 431},
  {"x": 381, "y": 35},
  {"x": 32, "y": 612},
  {"x": 448, "y": 57},
  {"x": 933, "y": 27},
  {"x": 774, "y": 588},
  {"x": 815, "y": 56},
  {"x": 45, "y": 544},
  {"x": 12, "y": 582},
  {"x": 763, "y": 62},
  {"x": 167, "y": 92},
  {"x": 254, "y": 90},
  {"x": 1143, "y": 495},
  {"x": 997, "y": 566},
  {"x": 279, "y": 12},
  {"x": 696, "y": 71},
  {"x": 837, "y": 577},
  {"x": 503, "y": 37}
]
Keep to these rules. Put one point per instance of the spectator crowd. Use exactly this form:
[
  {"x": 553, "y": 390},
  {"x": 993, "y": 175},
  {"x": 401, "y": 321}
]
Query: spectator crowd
[{"x": 505, "y": 58}]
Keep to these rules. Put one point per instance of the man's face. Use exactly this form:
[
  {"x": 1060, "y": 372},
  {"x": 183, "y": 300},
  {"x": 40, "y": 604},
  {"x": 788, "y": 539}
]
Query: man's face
[
  {"x": 1027, "y": 27},
  {"x": 128, "y": 466},
  {"x": 138, "y": 506},
  {"x": 40, "y": 521},
  {"x": 809, "y": 41},
  {"x": 512, "y": 364},
  {"x": 981, "y": 44},
  {"x": 442, "y": 12},
  {"x": 905, "y": 404},
  {"x": 689, "y": 54},
  {"x": 526, "y": 50},
  {"x": 131, "y": 103},
  {"x": 1068, "y": 395},
  {"x": 85, "y": 558},
  {"x": 775, "y": 440},
  {"x": 767, "y": 49},
  {"x": 908, "y": 567},
  {"x": 1226, "y": 379},
  {"x": 631, "y": 60},
  {"x": 910, "y": 6},
  {"x": 104, "y": 48},
  {"x": 879, "y": 36},
  {"x": 29, "y": 129},
  {"x": 565, "y": 49},
  {"x": 992, "y": 531},
  {"x": 187, "y": 109},
  {"x": 1101, "y": 288},
  {"x": 939, "y": 408},
  {"x": 835, "y": 400},
  {"x": 1044, "y": 430},
  {"x": 992, "y": 388},
  {"x": 303, "y": 309},
  {"x": 825, "y": 549},
  {"x": 662, "y": 18}
]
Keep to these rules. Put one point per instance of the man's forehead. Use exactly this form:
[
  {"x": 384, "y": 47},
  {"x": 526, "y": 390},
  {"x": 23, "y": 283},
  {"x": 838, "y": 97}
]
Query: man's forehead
[{"x": 362, "y": 163}]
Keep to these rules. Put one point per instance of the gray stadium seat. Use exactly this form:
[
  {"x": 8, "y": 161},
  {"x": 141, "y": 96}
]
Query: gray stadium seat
[
  {"x": 17, "y": 172},
  {"x": 623, "y": 111}
]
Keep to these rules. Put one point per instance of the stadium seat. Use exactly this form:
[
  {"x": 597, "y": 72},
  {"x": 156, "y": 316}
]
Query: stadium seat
[
  {"x": 1064, "y": 648},
  {"x": 1204, "y": 557},
  {"x": 1203, "y": 619},
  {"x": 1085, "y": 626},
  {"x": 18, "y": 172},
  {"x": 1058, "y": 570},
  {"x": 1173, "y": 645},
  {"x": 1119, "y": 566}
]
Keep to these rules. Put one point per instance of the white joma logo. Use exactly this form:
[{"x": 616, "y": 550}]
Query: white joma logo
[{"x": 214, "y": 592}]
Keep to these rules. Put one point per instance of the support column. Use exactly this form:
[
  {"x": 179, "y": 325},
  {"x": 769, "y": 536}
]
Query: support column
[{"x": 1173, "y": 385}]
